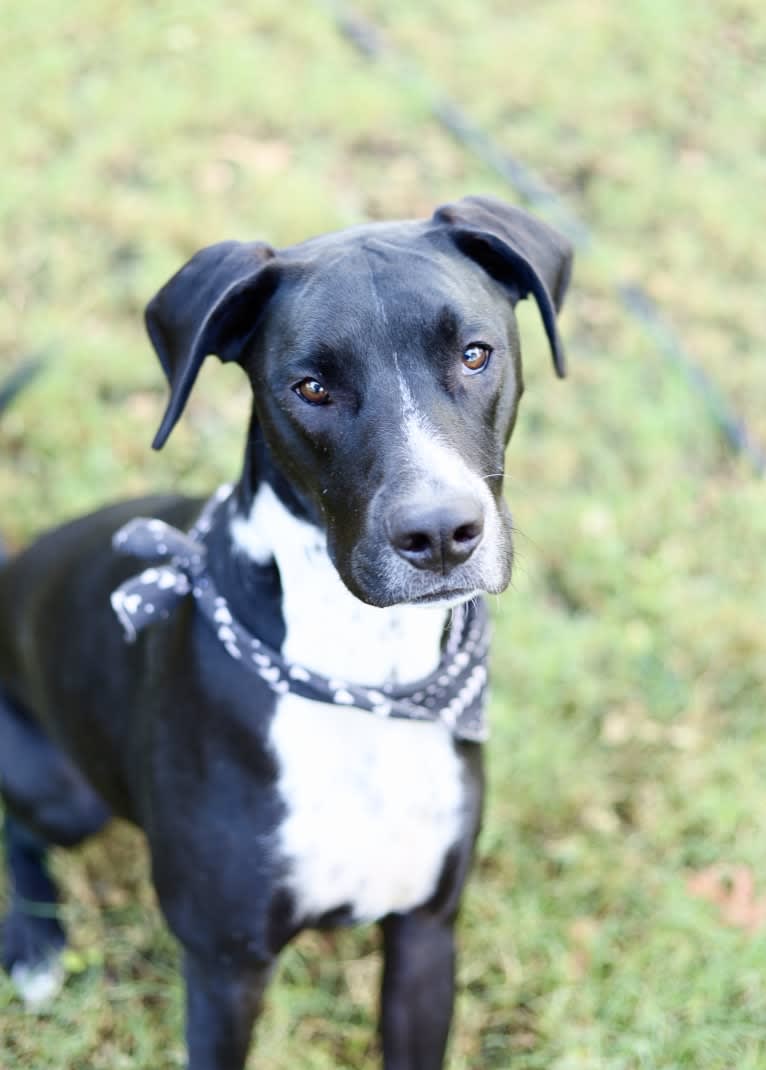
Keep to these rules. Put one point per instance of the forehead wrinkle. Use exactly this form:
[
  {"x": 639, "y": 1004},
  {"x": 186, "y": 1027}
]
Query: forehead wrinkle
[
  {"x": 369, "y": 251},
  {"x": 411, "y": 413}
]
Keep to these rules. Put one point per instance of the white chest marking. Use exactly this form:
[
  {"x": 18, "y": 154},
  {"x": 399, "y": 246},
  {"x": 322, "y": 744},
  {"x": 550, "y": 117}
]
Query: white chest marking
[
  {"x": 439, "y": 465},
  {"x": 372, "y": 806},
  {"x": 327, "y": 629}
]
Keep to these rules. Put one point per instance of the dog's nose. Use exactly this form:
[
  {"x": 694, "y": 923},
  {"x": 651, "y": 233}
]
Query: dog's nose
[{"x": 436, "y": 538}]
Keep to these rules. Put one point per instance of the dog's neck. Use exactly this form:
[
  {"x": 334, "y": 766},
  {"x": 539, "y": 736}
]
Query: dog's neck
[{"x": 278, "y": 557}]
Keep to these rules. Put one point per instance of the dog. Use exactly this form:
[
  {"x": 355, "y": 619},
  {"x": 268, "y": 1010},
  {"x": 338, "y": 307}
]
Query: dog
[{"x": 284, "y": 686}]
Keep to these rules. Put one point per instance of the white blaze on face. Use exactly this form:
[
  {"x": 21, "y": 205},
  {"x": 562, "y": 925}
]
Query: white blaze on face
[{"x": 439, "y": 469}]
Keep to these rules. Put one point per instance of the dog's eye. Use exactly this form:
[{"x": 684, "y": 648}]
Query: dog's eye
[
  {"x": 312, "y": 392},
  {"x": 476, "y": 357}
]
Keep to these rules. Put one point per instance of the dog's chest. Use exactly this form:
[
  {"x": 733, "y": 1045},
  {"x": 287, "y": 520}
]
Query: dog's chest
[{"x": 372, "y": 808}]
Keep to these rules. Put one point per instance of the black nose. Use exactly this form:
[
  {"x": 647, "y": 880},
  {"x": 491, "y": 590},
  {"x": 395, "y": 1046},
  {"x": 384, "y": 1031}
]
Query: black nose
[{"x": 436, "y": 538}]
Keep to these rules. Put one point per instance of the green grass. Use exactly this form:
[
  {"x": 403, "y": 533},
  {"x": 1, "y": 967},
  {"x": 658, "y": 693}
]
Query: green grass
[{"x": 629, "y": 744}]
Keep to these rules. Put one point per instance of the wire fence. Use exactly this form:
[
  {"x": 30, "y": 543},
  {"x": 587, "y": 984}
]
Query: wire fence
[
  {"x": 14, "y": 383},
  {"x": 369, "y": 40}
]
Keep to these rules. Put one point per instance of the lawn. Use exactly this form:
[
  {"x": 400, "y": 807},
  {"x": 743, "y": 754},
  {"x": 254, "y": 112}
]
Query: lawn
[{"x": 616, "y": 918}]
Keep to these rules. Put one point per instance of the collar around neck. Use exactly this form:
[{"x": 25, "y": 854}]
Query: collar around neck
[{"x": 453, "y": 695}]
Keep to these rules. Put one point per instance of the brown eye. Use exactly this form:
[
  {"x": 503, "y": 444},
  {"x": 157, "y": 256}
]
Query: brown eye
[
  {"x": 476, "y": 358},
  {"x": 312, "y": 392}
]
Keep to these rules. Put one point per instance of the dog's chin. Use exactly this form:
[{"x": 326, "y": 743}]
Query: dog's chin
[
  {"x": 446, "y": 599},
  {"x": 384, "y": 580},
  {"x": 440, "y": 593}
]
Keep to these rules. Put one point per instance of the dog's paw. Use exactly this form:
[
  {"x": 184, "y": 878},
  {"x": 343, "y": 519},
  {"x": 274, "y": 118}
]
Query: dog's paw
[
  {"x": 39, "y": 984},
  {"x": 31, "y": 954}
]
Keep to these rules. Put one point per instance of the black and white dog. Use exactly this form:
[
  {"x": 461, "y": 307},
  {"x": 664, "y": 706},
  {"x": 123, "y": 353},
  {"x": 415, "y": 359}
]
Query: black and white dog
[{"x": 284, "y": 687}]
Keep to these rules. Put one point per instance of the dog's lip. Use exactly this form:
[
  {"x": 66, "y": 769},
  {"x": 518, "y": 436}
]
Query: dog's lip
[{"x": 451, "y": 597}]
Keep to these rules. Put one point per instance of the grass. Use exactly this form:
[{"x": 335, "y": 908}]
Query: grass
[{"x": 629, "y": 744}]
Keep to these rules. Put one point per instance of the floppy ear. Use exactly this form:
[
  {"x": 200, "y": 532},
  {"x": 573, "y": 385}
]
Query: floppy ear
[
  {"x": 517, "y": 250},
  {"x": 212, "y": 305}
]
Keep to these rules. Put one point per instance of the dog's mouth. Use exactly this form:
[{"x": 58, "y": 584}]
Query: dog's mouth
[
  {"x": 446, "y": 599},
  {"x": 418, "y": 589}
]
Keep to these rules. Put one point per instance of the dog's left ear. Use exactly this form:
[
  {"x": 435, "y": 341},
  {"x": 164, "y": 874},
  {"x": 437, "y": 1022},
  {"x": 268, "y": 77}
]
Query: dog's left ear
[
  {"x": 519, "y": 251},
  {"x": 212, "y": 305}
]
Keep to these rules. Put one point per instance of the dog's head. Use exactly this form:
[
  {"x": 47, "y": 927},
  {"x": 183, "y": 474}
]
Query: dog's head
[{"x": 386, "y": 373}]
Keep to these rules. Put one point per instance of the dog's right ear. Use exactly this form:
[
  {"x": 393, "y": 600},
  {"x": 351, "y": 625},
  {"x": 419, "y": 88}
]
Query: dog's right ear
[{"x": 213, "y": 305}]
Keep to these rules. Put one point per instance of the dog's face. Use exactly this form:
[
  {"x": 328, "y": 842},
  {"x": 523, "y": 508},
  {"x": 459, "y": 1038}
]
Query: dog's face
[
  {"x": 386, "y": 373},
  {"x": 386, "y": 381}
]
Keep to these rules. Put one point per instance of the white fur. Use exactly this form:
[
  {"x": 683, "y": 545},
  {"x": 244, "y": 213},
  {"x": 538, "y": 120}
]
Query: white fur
[
  {"x": 38, "y": 985},
  {"x": 373, "y": 805},
  {"x": 440, "y": 466},
  {"x": 328, "y": 629}
]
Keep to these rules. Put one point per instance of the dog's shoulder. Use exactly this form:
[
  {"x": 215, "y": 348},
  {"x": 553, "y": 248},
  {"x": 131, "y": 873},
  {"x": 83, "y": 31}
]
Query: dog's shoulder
[{"x": 73, "y": 568}]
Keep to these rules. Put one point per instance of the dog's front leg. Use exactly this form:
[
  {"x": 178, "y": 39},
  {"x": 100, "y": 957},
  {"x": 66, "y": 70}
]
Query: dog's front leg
[
  {"x": 418, "y": 990},
  {"x": 222, "y": 1003}
]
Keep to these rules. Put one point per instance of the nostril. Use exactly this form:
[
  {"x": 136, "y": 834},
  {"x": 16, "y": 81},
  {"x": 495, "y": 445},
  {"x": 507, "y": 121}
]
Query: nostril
[
  {"x": 467, "y": 532},
  {"x": 414, "y": 542}
]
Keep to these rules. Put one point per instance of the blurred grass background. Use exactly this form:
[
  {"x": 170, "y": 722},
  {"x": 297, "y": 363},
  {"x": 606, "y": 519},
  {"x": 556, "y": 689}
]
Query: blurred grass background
[{"x": 616, "y": 915}]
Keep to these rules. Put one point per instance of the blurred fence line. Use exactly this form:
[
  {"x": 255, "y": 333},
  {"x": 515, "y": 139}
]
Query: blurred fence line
[{"x": 369, "y": 40}]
